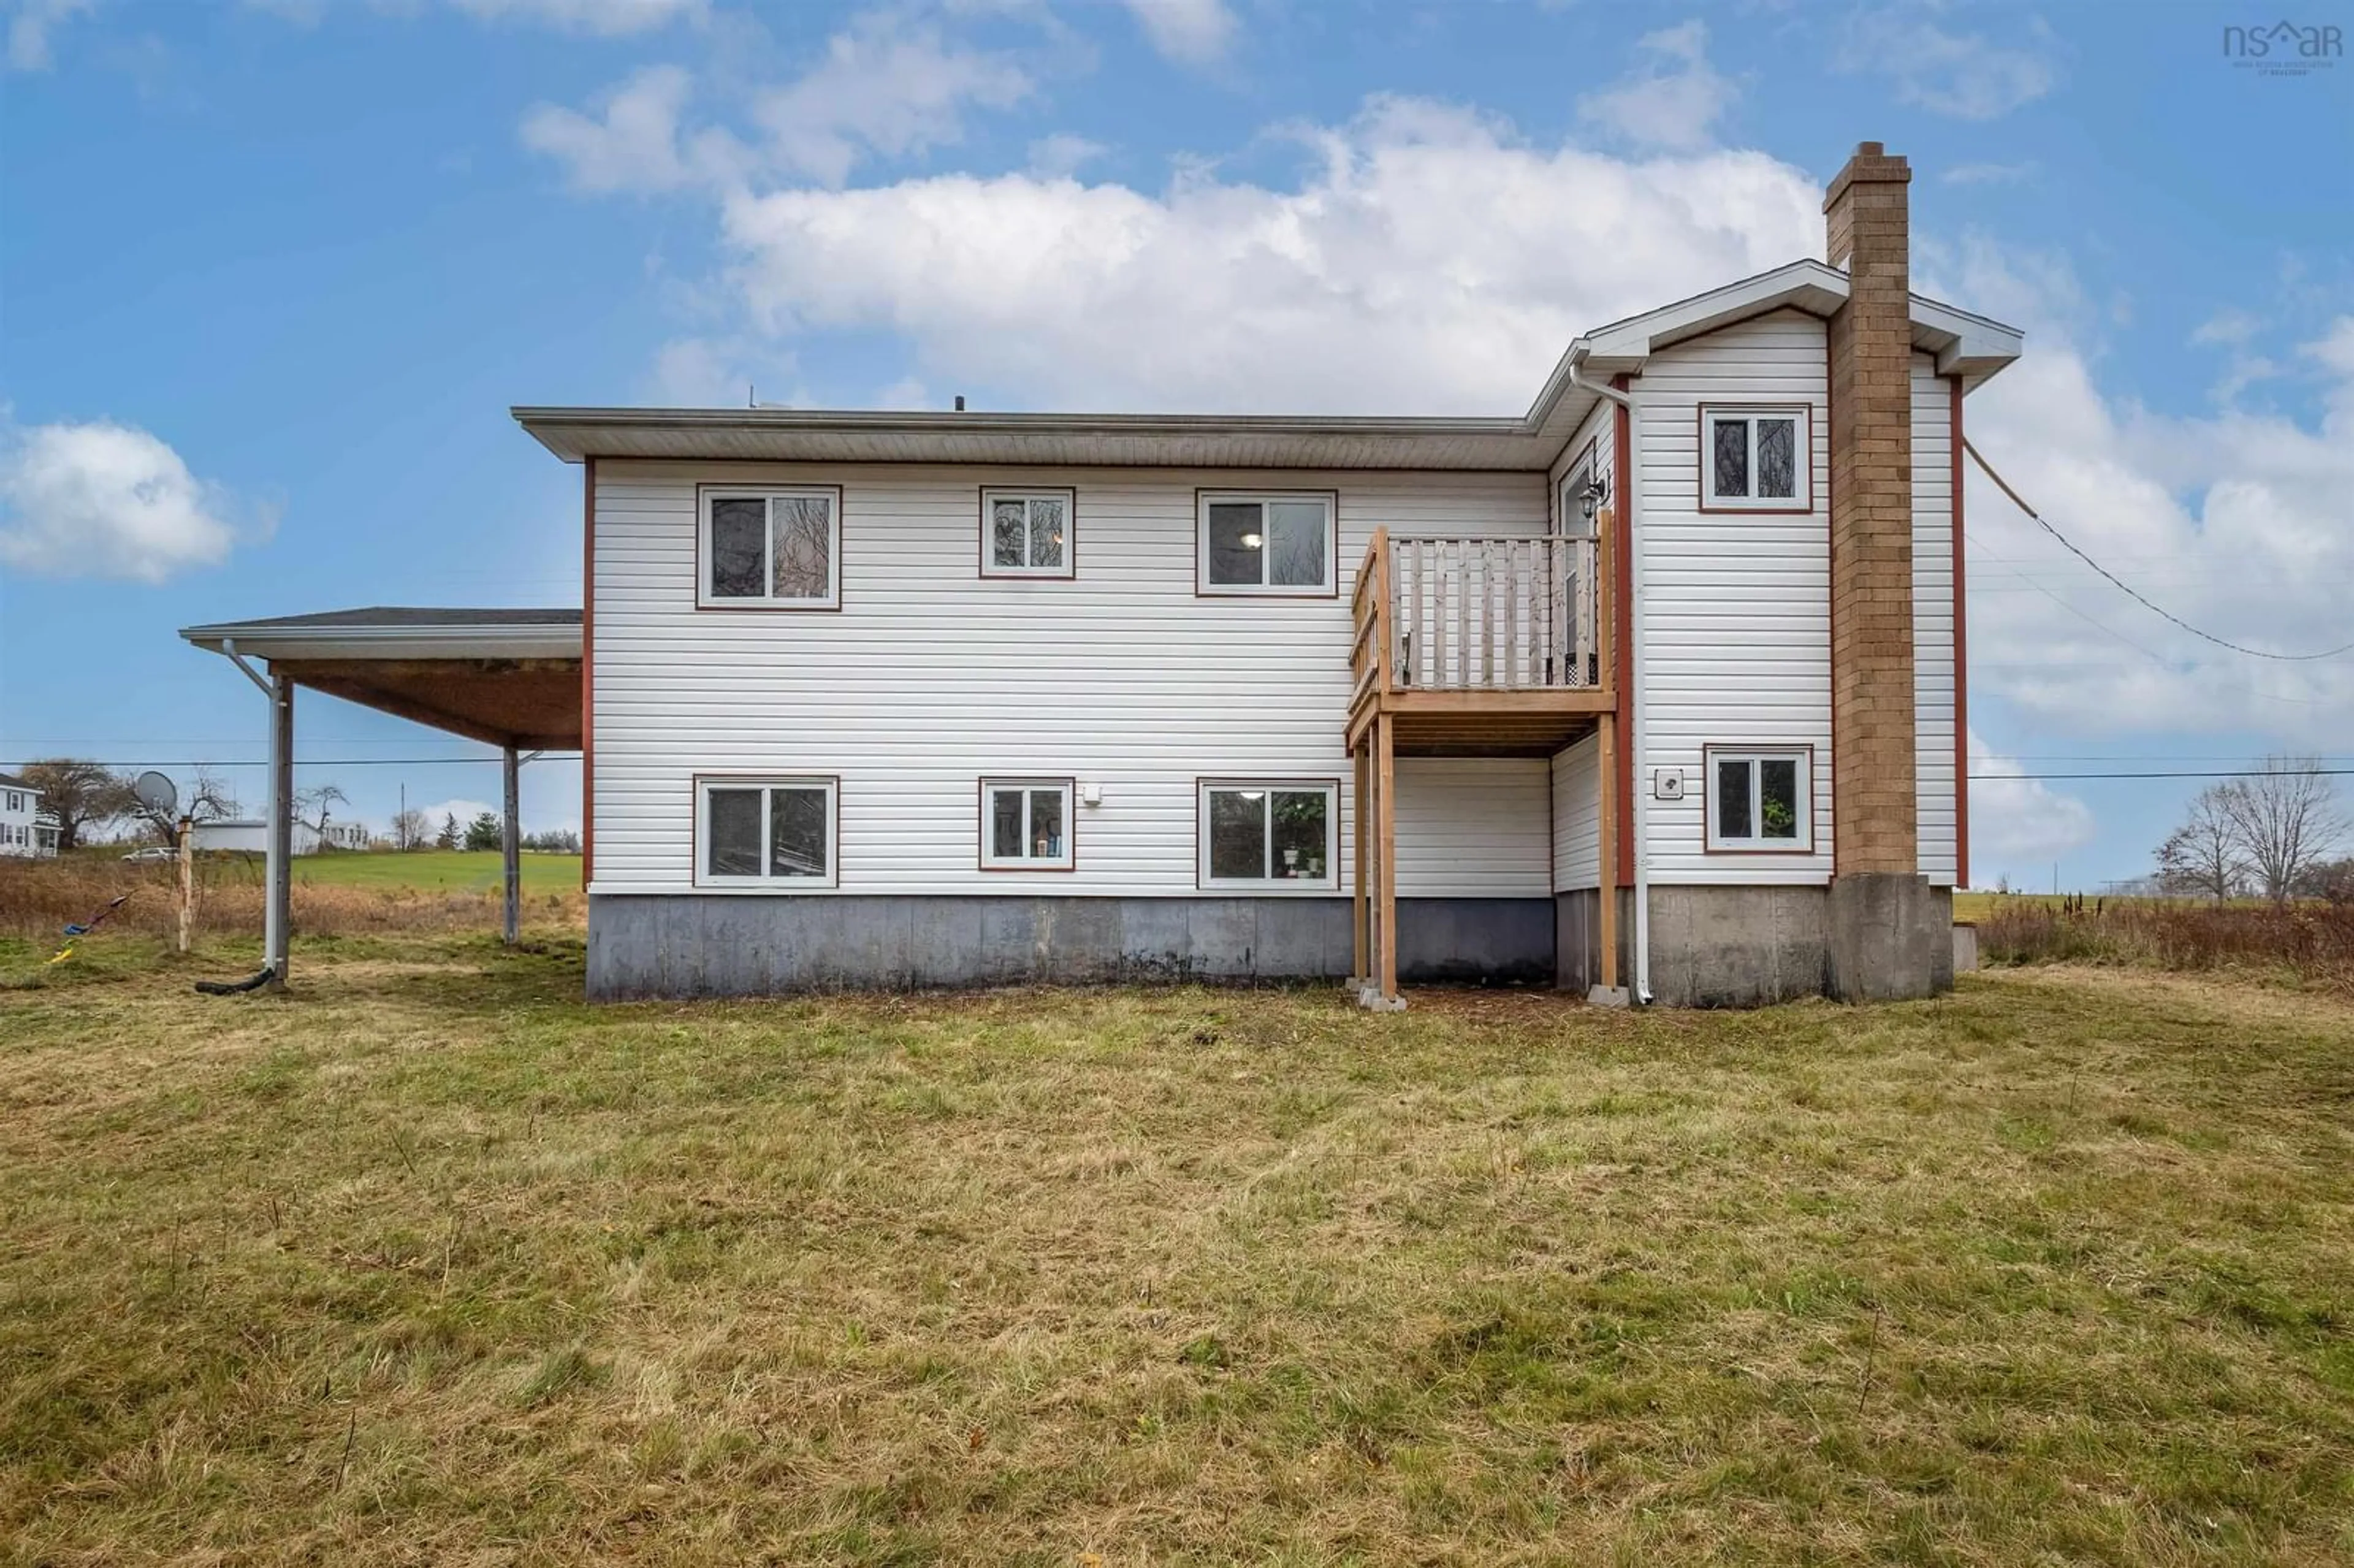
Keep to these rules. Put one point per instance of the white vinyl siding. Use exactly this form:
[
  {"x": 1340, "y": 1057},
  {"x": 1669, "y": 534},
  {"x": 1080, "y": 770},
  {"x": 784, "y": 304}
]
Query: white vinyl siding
[
  {"x": 1577, "y": 816},
  {"x": 1933, "y": 619},
  {"x": 930, "y": 678},
  {"x": 1473, "y": 827},
  {"x": 1735, "y": 606}
]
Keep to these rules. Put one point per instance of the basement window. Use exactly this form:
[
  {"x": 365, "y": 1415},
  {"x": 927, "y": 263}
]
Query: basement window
[
  {"x": 1760, "y": 800},
  {"x": 1026, "y": 824},
  {"x": 1755, "y": 460},
  {"x": 1026, "y": 533},
  {"x": 1266, "y": 543},
  {"x": 1275, "y": 835},
  {"x": 771, "y": 549},
  {"x": 766, "y": 833}
]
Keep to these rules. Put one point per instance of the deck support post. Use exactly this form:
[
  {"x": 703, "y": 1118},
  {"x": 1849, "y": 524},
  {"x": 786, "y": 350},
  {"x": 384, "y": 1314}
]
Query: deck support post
[
  {"x": 278, "y": 909},
  {"x": 1385, "y": 852},
  {"x": 511, "y": 844},
  {"x": 1606, "y": 917},
  {"x": 1360, "y": 912}
]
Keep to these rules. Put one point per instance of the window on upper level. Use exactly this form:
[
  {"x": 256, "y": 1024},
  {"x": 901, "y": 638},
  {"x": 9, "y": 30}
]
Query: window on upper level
[
  {"x": 1760, "y": 800},
  {"x": 1268, "y": 833},
  {"x": 770, "y": 548},
  {"x": 1755, "y": 460},
  {"x": 754, "y": 832},
  {"x": 1026, "y": 824},
  {"x": 1027, "y": 532},
  {"x": 15, "y": 800},
  {"x": 1266, "y": 543}
]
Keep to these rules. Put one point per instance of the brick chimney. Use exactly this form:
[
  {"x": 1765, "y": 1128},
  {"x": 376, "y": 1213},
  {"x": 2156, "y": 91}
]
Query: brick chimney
[{"x": 1884, "y": 906}]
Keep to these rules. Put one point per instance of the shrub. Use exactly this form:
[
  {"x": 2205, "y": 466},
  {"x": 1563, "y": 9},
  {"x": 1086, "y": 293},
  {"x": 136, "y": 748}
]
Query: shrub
[{"x": 2312, "y": 942}]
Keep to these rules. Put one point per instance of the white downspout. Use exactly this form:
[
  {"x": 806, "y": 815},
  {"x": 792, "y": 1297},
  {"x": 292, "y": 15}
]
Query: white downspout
[{"x": 1630, "y": 493}]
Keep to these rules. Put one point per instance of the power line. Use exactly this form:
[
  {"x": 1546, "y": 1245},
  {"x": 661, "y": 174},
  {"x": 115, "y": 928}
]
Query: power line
[{"x": 2131, "y": 591}]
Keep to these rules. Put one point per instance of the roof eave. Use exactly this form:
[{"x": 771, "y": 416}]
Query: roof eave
[{"x": 450, "y": 641}]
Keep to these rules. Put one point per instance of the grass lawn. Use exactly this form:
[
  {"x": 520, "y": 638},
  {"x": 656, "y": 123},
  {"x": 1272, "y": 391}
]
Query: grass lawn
[
  {"x": 456, "y": 871},
  {"x": 429, "y": 1262}
]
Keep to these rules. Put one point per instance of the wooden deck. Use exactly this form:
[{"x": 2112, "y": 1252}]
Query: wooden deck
[{"x": 1474, "y": 647}]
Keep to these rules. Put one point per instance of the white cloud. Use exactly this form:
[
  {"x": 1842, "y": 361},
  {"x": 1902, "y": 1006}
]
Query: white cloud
[
  {"x": 1672, "y": 100},
  {"x": 458, "y": 806},
  {"x": 2235, "y": 519},
  {"x": 103, "y": 500},
  {"x": 1060, "y": 156},
  {"x": 1427, "y": 262},
  {"x": 633, "y": 143},
  {"x": 30, "y": 30},
  {"x": 880, "y": 89},
  {"x": 602, "y": 18},
  {"x": 1967, "y": 75},
  {"x": 2019, "y": 819},
  {"x": 883, "y": 87},
  {"x": 1191, "y": 32}
]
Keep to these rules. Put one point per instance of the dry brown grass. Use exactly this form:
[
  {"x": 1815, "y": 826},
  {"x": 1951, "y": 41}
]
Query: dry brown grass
[
  {"x": 428, "y": 1262},
  {"x": 2306, "y": 943},
  {"x": 39, "y": 897}
]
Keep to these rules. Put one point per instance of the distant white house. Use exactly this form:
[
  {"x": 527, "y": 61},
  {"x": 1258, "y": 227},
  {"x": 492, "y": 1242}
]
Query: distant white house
[
  {"x": 25, "y": 830},
  {"x": 252, "y": 836}
]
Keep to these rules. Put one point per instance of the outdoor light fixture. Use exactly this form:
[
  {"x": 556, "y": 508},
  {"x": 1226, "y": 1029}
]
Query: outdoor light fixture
[{"x": 1590, "y": 499}]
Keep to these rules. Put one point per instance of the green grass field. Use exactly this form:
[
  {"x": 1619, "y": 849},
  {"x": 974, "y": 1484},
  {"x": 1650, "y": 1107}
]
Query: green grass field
[
  {"x": 427, "y": 1261},
  {"x": 457, "y": 871}
]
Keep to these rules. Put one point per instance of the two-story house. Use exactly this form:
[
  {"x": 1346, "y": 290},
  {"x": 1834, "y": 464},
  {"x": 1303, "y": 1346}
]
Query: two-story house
[
  {"x": 1659, "y": 684},
  {"x": 1657, "y": 688},
  {"x": 25, "y": 830}
]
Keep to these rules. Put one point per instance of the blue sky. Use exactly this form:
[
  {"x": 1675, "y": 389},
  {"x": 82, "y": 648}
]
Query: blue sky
[{"x": 271, "y": 273}]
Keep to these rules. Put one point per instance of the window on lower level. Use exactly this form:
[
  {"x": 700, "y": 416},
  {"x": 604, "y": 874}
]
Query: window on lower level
[
  {"x": 1753, "y": 459},
  {"x": 1276, "y": 834},
  {"x": 1760, "y": 800},
  {"x": 766, "y": 831},
  {"x": 1266, "y": 543},
  {"x": 1026, "y": 824},
  {"x": 1026, "y": 533}
]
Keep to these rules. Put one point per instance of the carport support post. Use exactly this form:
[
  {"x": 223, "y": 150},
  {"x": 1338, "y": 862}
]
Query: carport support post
[
  {"x": 511, "y": 846},
  {"x": 279, "y": 920}
]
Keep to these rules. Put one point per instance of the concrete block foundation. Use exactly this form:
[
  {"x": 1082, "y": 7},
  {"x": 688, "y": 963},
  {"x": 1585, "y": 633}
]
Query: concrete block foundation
[
  {"x": 1890, "y": 938},
  {"x": 722, "y": 945}
]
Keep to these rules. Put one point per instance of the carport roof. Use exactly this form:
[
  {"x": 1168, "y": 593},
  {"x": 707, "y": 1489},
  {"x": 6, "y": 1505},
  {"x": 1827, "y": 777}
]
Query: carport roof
[{"x": 510, "y": 677}]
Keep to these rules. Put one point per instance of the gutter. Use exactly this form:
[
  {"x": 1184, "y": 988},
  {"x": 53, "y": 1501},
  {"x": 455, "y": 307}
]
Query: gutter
[{"x": 1630, "y": 491}]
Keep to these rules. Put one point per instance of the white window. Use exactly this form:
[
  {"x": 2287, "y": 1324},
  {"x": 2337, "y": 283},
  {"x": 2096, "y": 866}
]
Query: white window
[
  {"x": 1753, "y": 460},
  {"x": 1266, "y": 543},
  {"x": 1026, "y": 824},
  {"x": 765, "y": 832},
  {"x": 16, "y": 802},
  {"x": 1027, "y": 532},
  {"x": 1761, "y": 799},
  {"x": 773, "y": 549},
  {"x": 1274, "y": 833}
]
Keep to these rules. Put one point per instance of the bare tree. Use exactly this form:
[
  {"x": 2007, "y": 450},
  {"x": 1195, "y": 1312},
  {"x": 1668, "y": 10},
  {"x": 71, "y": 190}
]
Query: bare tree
[
  {"x": 208, "y": 799},
  {"x": 81, "y": 795},
  {"x": 410, "y": 831},
  {"x": 2284, "y": 820},
  {"x": 311, "y": 807},
  {"x": 2202, "y": 855}
]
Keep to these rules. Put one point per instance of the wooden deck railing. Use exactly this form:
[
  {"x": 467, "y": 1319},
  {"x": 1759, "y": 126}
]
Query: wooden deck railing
[{"x": 1477, "y": 614}]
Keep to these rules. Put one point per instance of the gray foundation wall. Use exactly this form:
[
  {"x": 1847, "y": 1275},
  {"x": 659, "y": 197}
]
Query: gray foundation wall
[
  {"x": 659, "y": 945},
  {"x": 1742, "y": 947}
]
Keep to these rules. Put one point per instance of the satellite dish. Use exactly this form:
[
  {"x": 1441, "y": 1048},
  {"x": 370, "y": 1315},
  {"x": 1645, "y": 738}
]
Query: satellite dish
[{"x": 156, "y": 793}]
